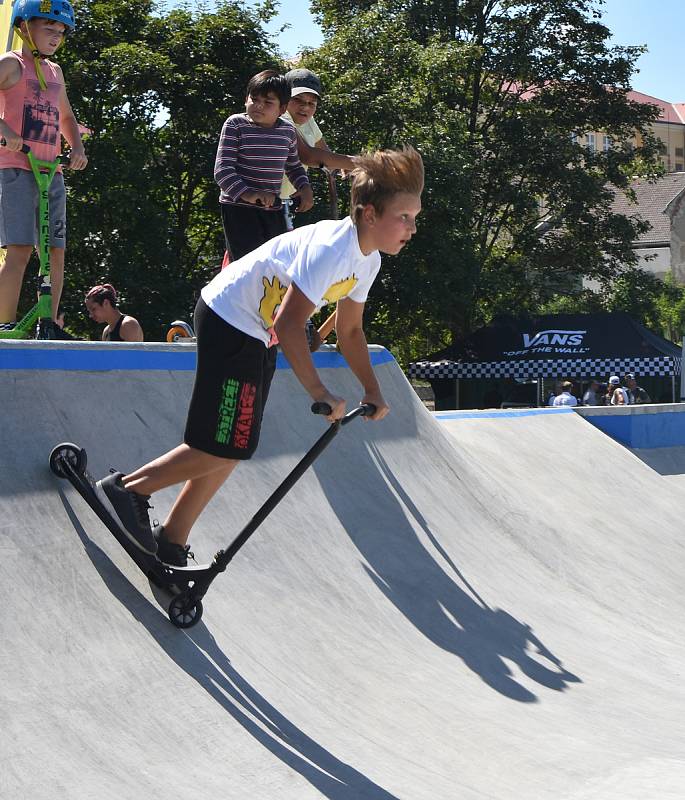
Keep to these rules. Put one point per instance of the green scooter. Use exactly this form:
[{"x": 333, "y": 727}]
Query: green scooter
[{"x": 38, "y": 320}]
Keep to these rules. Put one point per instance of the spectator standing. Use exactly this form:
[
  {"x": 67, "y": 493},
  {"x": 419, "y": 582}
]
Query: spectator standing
[
  {"x": 566, "y": 398},
  {"x": 591, "y": 396},
  {"x": 305, "y": 93},
  {"x": 554, "y": 394},
  {"x": 602, "y": 394},
  {"x": 255, "y": 150},
  {"x": 636, "y": 394},
  {"x": 616, "y": 395}
]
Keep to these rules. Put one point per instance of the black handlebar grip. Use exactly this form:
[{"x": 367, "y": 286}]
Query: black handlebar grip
[
  {"x": 24, "y": 148},
  {"x": 365, "y": 410}
]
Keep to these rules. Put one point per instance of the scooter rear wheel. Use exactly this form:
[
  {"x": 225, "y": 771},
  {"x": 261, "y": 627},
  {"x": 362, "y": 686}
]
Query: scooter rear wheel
[
  {"x": 71, "y": 453},
  {"x": 184, "y": 611}
]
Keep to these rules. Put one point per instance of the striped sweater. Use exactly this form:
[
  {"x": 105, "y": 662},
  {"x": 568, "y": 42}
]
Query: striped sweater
[{"x": 250, "y": 157}]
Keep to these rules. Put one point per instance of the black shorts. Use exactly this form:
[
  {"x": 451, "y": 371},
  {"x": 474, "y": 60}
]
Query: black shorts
[
  {"x": 232, "y": 380},
  {"x": 246, "y": 228}
]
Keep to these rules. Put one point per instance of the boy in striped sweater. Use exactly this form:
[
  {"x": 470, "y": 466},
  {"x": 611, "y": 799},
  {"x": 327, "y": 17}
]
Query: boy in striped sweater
[{"x": 255, "y": 150}]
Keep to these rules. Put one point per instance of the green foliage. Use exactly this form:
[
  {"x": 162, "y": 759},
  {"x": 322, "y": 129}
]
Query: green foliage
[
  {"x": 491, "y": 93},
  {"x": 155, "y": 88},
  {"x": 516, "y": 213},
  {"x": 658, "y": 304}
]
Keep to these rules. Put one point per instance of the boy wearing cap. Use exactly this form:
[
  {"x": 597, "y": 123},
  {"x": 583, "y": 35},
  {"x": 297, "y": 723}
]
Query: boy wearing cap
[{"x": 305, "y": 93}]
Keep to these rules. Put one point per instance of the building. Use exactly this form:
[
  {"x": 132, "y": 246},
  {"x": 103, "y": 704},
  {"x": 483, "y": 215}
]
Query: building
[
  {"x": 669, "y": 128},
  {"x": 661, "y": 250}
]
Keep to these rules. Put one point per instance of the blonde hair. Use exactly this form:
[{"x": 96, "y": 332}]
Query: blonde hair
[{"x": 378, "y": 176}]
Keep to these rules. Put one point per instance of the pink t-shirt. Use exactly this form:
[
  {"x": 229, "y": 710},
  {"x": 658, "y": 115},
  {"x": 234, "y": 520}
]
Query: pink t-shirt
[{"x": 32, "y": 112}]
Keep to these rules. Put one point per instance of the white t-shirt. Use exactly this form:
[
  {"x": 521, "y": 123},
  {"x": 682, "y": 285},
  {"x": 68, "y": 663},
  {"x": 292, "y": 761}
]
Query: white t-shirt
[
  {"x": 311, "y": 133},
  {"x": 323, "y": 260},
  {"x": 565, "y": 399}
]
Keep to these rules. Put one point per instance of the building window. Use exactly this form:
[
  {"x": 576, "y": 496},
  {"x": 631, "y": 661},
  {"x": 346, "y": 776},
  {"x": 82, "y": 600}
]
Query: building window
[
  {"x": 606, "y": 143},
  {"x": 591, "y": 142},
  {"x": 678, "y": 167},
  {"x": 679, "y": 152}
]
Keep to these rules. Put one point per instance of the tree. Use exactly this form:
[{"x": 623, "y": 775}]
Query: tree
[
  {"x": 492, "y": 93},
  {"x": 660, "y": 305},
  {"x": 154, "y": 88}
]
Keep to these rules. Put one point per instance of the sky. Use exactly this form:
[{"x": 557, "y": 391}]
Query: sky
[{"x": 659, "y": 24}]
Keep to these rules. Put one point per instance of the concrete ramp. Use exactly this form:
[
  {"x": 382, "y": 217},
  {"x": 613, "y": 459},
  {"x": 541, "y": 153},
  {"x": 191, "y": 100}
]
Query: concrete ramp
[
  {"x": 667, "y": 461},
  {"x": 489, "y": 612}
]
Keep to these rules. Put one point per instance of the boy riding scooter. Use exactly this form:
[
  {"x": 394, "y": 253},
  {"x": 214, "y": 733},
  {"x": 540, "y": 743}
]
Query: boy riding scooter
[{"x": 264, "y": 299}]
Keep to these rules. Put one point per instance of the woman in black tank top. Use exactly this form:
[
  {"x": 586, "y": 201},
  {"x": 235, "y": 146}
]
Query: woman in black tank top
[
  {"x": 102, "y": 304},
  {"x": 113, "y": 334}
]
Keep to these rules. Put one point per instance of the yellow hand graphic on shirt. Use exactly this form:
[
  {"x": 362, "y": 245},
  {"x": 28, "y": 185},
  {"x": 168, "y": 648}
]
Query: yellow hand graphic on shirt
[
  {"x": 274, "y": 292},
  {"x": 340, "y": 289}
]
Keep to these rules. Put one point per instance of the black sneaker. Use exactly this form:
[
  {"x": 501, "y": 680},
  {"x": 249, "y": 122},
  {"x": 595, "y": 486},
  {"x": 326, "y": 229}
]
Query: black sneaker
[
  {"x": 129, "y": 509},
  {"x": 49, "y": 329},
  {"x": 175, "y": 555}
]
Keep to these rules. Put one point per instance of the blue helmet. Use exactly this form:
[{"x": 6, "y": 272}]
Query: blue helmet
[{"x": 56, "y": 10}]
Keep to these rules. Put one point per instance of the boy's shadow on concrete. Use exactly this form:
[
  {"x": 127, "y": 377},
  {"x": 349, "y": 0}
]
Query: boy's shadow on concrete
[
  {"x": 197, "y": 653},
  {"x": 456, "y": 620}
]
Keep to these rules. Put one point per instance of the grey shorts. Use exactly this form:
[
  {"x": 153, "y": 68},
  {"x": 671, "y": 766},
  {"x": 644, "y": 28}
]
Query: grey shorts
[{"x": 19, "y": 209}]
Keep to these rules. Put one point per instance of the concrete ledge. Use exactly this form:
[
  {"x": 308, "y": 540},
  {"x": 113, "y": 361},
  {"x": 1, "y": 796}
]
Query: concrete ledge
[{"x": 644, "y": 426}]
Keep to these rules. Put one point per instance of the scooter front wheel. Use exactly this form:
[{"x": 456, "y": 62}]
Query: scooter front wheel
[
  {"x": 185, "y": 611},
  {"x": 74, "y": 455}
]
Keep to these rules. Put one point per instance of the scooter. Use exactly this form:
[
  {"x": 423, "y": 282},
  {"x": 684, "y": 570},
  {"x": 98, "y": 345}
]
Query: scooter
[
  {"x": 184, "y": 587},
  {"x": 39, "y": 318}
]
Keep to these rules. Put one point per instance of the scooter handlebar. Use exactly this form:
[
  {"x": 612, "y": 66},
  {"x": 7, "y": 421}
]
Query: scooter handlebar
[
  {"x": 364, "y": 410},
  {"x": 63, "y": 159},
  {"x": 24, "y": 148}
]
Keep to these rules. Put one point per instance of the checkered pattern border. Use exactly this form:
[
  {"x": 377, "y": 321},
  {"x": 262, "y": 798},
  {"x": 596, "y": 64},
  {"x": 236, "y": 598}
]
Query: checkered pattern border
[{"x": 599, "y": 368}]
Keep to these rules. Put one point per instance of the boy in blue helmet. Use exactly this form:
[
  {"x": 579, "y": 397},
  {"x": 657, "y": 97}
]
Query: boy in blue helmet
[{"x": 34, "y": 110}]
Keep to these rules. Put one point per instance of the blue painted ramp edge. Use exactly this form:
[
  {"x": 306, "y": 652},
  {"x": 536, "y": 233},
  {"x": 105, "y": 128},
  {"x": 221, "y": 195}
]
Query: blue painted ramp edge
[
  {"x": 103, "y": 360},
  {"x": 636, "y": 430},
  {"x": 665, "y": 429},
  {"x": 521, "y": 412}
]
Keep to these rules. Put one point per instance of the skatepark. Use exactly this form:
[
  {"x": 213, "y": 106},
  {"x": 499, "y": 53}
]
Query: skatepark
[{"x": 449, "y": 606}]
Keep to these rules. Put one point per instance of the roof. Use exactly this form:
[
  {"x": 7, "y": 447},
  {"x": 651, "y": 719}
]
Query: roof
[
  {"x": 652, "y": 200},
  {"x": 673, "y": 113}
]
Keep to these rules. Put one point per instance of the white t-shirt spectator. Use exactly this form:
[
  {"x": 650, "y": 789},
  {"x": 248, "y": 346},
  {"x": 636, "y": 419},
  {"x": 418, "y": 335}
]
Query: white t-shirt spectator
[
  {"x": 311, "y": 133},
  {"x": 323, "y": 260},
  {"x": 565, "y": 399}
]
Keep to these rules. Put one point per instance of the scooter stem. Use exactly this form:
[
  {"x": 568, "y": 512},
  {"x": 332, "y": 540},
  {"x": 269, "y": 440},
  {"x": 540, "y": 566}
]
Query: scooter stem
[{"x": 223, "y": 557}]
